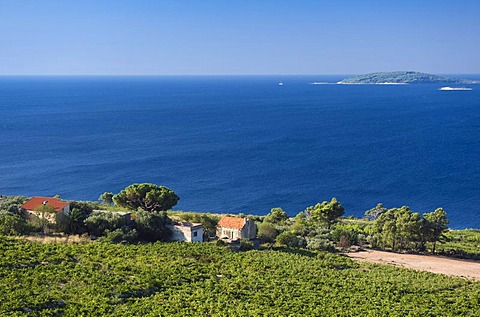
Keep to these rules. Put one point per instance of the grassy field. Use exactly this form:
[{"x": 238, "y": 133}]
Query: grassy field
[{"x": 179, "y": 279}]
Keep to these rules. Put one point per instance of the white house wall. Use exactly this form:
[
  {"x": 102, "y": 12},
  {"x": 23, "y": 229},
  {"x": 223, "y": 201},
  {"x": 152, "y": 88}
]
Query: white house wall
[{"x": 187, "y": 234}]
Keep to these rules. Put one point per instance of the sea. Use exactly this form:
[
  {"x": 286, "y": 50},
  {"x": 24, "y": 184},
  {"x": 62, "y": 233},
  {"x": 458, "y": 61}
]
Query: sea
[{"x": 244, "y": 144}]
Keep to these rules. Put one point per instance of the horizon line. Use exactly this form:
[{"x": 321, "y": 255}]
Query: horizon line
[{"x": 199, "y": 75}]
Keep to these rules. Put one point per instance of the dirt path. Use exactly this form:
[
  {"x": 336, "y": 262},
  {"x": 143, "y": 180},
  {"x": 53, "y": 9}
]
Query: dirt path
[{"x": 435, "y": 264}]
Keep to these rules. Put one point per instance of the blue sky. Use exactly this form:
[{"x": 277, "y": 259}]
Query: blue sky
[{"x": 204, "y": 37}]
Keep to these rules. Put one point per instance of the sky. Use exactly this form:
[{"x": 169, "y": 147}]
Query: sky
[{"x": 206, "y": 37}]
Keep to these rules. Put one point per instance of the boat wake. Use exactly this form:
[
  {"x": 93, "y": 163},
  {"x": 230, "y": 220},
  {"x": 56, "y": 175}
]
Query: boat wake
[{"x": 455, "y": 88}]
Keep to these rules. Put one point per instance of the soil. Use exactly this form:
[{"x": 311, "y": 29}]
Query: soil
[{"x": 435, "y": 264}]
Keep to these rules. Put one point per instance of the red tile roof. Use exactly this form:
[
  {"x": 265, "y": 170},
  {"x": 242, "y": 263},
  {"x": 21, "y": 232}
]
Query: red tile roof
[
  {"x": 232, "y": 222},
  {"x": 38, "y": 201}
]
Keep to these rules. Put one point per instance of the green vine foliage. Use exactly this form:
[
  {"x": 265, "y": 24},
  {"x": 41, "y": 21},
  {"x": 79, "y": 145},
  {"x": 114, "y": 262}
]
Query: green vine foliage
[{"x": 180, "y": 279}]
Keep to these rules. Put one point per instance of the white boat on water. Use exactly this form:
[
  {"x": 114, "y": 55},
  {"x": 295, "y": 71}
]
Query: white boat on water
[
  {"x": 280, "y": 84},
  {"x": 455, "y": 88}
]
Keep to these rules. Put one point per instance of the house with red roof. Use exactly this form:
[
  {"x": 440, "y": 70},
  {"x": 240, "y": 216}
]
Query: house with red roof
[
  {"x": 234, "y": 228},
  {"x": 57, "y": 204}
]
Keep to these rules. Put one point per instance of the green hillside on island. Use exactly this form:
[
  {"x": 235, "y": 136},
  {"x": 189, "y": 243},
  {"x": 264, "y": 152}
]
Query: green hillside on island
[{"x": 403, "y": 77}]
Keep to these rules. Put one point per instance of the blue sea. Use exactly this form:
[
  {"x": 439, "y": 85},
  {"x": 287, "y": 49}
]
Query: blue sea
[{"x": 244, "y": 144}]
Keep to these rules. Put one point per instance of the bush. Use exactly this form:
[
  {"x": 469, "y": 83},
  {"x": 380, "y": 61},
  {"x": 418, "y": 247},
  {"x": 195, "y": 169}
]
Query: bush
[
  {"x": 12, "y": 205},
  {"x": 344, "y": 243},
  {"x": 12, "y": 224},
  {"x": 267, "y": 232},
  {"x": 123, "y": 235},
  {"x": 289, "y": 239},
  {"x": 299, "y": 225},
  {"x": 220, "y": 243},
  {"x": 98, "y": 222},
  {"x": 317, "y": 243},
  {"x": 246, "y": 244},
  {"x": 151, "y": 226},
  {"x": 347, "y": 234},
  {"x": 319, "y": 232}
]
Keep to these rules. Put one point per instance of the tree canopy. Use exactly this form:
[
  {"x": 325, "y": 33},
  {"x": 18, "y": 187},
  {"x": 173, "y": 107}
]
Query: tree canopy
[
  {"x": 435, "y": 225},
  {"x": 106, "y": 198},
  {"x": 326, "y": 212},
  {"x": 375, "y": 212},
  {"x": 276, "y": 215},
  {"x": 148, "y": 197},
  {"x": 398, "y": 229}
]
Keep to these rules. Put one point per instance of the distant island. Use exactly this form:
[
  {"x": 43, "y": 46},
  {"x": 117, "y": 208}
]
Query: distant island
[{"x": 403, "y": 77}]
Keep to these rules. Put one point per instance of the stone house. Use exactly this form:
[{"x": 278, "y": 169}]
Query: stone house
[
  {"x": 234, "y": 228},
  {"x": 36, "y": 202},
  {"x": 187, "y": 232}
]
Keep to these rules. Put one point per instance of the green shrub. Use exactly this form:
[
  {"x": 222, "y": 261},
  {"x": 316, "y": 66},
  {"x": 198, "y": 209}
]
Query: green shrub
[
  {"x": 11, "y": 204},
  {"x": 267, "y": 232},
  {"x": 151, "y": 226},
  {"x": 123, "y": 235},
  {"x": 345, "y": 234},
  {"x": 289, "y": 239},
  {"x": 98, "y": 222},
  {"x": 220, "y": 243},
  {"x": 246, "y": 244},
  {"x": 317, "y": 243},
  {"x": 12, "y": 224}
]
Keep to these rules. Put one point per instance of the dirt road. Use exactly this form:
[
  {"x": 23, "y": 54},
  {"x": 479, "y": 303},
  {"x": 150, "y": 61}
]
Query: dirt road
[{"x": 435, "y": 264}]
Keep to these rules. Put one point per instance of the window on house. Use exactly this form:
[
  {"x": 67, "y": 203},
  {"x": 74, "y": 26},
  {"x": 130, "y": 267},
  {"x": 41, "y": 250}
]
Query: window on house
[{"x": 195, "y": 233}]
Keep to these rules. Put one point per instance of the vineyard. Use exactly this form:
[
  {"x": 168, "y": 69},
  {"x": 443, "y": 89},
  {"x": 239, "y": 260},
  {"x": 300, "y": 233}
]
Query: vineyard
[{"x": 179, "y": 279}]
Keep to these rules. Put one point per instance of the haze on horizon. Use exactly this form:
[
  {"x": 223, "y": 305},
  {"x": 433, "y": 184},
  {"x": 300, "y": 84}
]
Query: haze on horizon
[{"x": 243, "y": 37}]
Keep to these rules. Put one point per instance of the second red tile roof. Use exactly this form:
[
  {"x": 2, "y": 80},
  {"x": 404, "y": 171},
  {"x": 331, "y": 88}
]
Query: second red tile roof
[{"x": 232, "y": 222}]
